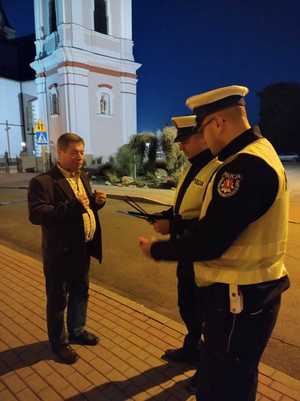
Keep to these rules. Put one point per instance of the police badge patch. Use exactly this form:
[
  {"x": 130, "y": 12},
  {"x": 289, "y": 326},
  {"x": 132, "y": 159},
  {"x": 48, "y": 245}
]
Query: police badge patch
[{"x": 229, "y": 184}]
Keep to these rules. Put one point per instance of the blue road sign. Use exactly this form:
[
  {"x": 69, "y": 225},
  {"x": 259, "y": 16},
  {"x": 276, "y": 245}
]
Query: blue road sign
[{"x": 41, "y": 138}]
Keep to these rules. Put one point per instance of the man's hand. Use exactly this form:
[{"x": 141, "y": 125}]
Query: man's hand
[
  {"x": 100, "y": 197},
  {"x": 145, "y": 245},
  {"x": 84, "y": 200},
  {"x": 162, "y": 226}
]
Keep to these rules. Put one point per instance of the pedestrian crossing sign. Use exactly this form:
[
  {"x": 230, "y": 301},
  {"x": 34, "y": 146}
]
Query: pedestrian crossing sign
[
  {"x": 41, "y": 138},
  {"x": 41, "y": 134}
]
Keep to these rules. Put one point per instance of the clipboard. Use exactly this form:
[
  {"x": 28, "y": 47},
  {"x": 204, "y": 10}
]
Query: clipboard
[{"x": 140, "y": 212}]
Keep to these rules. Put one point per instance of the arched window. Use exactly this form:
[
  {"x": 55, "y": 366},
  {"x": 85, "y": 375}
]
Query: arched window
[
  {"x": 100, "y": 16},
  {"x": 52, "y": 17},
  {"x": 54, "y": 100},
  {"x": 104, "y": 104},
  {"x": 104, "y": 100}
]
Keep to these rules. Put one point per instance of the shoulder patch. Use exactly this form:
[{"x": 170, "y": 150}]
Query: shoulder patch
[{"x": 229, "y": 184}]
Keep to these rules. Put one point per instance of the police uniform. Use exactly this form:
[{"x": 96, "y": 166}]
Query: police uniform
[
  {"x": 243, "y": 234},
  {"x": 188, "y": 199}
]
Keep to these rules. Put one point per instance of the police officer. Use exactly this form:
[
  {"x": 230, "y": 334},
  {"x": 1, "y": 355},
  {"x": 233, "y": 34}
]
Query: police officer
[
  {"x": 239, "y": 243},
  {"x": 188, "y": 198}
]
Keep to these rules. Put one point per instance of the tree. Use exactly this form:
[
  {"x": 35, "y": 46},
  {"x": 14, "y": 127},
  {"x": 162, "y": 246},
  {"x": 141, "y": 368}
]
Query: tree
[
  {"x": 125, "y": 160},
  {"x": 280, "y": 115},
  {"x": 144, "y": 146},
  {"x": 174, "y": 157}
]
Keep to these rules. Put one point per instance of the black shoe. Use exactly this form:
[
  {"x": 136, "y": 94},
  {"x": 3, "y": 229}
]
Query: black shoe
[
  {"x": 65, "y": 353},
  {"x": 182, "y": 356},
  {"x": 84, "y": 338}
]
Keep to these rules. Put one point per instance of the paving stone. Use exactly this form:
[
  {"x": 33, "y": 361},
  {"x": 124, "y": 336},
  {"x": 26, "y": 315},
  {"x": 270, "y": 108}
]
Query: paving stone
[
  {"x": 6, "y": 395},
  {"x": 48, "y": 394},
  {"x": 294, "y": 394},
  {"x": 268, "y": 392},
  {"x": 13, "y": 382},
  {"x": 125, "y": 366},
  {"x": 27, "y": 395},
  {"x": 36, "y": 382}
]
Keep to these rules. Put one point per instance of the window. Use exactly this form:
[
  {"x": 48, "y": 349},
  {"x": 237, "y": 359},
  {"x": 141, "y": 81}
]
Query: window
[
  {"x": 54, "y": 100},
  {"x": 104, "y": 104},
  {"x": 104, "y": 100},
  {"x": 52, "y": 17},
  {"x": 29, "y": 117},
  {"x": 54, "y": 104},
  {"x": 100, "y": 16}
]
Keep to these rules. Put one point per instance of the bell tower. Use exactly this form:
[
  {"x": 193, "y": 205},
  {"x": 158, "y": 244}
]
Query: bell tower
[{"x": 85, "y": 71}]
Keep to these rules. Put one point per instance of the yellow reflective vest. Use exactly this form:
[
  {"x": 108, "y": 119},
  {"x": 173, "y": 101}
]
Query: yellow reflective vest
[
  {"x": 190, "y": 206},
  {"x": 256, "y": 256}
]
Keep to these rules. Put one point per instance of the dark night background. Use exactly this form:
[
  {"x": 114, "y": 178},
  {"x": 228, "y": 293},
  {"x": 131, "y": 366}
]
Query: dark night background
[{"x": 188, "y": 46}]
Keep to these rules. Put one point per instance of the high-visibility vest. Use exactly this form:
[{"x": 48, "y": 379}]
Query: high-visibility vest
[
  {"x": 191, "y": 203},
  {"x": 256, "y": 256}
]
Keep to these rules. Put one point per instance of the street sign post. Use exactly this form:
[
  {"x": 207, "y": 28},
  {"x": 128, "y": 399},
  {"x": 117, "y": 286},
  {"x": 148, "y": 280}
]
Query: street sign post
[{"x": 41, "y": 140}]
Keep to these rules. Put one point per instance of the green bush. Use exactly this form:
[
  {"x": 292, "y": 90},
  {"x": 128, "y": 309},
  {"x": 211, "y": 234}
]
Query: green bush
[
  {"x": 114, "y": 179},
  {"x": 139, "y": 182},
  {"x": 125, "y": 160},
  {"x": 175, "y": 158}
]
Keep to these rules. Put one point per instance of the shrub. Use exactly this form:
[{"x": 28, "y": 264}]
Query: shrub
[
  {"x": 174, "y": 157},
  {"x": 125, "y": 161}
]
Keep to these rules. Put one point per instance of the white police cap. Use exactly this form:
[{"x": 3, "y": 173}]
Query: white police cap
[
  {"x": 217, "y": 99},
  {"x": 185, "y": 126}
]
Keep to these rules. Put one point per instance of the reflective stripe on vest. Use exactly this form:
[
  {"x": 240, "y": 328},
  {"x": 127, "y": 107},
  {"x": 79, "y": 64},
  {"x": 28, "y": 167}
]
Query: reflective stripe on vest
[{"x": 257, "y": 254}]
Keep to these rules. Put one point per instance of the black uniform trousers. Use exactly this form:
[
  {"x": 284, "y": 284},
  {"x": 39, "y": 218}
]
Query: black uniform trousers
[
  {"x": 234, "y": 344},
  {"x": 189, "y": 302},
  {"x": 66, "y": 288}
]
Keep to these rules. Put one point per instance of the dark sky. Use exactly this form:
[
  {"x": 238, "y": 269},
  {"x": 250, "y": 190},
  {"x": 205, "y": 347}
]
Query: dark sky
[{"x": 188, "y": 46}]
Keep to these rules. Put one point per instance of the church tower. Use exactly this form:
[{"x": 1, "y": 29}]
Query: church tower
[{"x": 85, "y": 71}]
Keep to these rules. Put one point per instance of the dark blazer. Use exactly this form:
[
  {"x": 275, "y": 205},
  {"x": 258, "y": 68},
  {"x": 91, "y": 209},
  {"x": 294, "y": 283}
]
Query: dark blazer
[{"x": 53, "y": 205}]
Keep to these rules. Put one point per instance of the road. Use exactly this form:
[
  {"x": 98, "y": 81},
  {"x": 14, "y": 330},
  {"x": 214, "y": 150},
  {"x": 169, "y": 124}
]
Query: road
[{"x": 126, "y": 271}]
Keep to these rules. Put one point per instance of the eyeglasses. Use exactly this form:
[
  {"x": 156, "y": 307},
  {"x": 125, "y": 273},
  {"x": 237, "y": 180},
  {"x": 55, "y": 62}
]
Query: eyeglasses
[
  {"x": 197, "y": 130},
  {"x": 201, "y": 128}
]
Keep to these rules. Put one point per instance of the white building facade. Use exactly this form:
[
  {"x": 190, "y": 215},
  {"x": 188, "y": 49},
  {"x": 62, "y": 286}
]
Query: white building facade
[
  {"x": 18, "y": 111},
  {"x": 85, "y": 71},
  {"x": 17, "y": 91}
]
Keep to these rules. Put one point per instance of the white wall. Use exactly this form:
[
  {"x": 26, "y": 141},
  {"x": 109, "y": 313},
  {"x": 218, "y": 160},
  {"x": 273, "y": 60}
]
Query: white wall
[
  {"x": 10, "y": 111},
  {"x": 29, "y": 88},
  {"x": 106, "y": 134}
]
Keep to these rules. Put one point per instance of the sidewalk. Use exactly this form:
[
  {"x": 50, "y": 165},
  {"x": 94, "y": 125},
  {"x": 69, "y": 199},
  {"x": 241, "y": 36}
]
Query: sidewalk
[{"x": 124, "y": 366}]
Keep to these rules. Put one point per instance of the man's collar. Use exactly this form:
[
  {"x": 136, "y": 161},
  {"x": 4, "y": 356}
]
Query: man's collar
[
  {"x": 66, "y": 173},
  {"x": 202, "y": 157},
  {"x": 237, "y": 144}
]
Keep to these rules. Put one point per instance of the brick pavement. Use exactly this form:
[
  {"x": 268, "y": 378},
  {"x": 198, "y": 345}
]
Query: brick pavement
[{"x": 125, "y": 366}]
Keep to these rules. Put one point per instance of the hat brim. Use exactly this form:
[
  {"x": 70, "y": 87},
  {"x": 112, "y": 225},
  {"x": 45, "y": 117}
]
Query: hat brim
[
  {"x": 184, "y": 133},
  {"x": 203, "y": 111}
]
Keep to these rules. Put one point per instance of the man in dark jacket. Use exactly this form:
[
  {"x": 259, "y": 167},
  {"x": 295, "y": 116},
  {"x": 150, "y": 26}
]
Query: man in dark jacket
[{"x": 62, "y": 203}]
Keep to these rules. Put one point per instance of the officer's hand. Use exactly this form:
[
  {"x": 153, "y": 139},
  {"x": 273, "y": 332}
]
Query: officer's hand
[
  {"x": 84, "y": 200},
  {"x": 100, "y": 197},
  {"x": 145, "y": 245},
  {"x": 162, "y": 226}
]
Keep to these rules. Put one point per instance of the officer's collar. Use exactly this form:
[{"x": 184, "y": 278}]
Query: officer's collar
[
  {"x": 202, "y": 157},
  {"x": 237, "y": 144}
]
